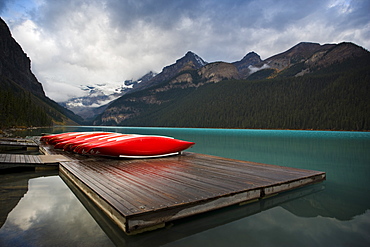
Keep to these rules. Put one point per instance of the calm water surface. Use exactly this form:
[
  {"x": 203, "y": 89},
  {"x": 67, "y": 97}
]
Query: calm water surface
[{"x": 40, "y": 209}]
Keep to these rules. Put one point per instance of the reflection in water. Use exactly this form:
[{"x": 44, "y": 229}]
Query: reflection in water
[
  {"x": 12, "y": 189},
  {"x": 333, "y": 213},
  {"x": 48, "y": 215},
  {"x": 277, "y": 227}
]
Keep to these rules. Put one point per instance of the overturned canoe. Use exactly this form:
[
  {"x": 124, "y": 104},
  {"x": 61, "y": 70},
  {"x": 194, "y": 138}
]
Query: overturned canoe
[
  {"x": 139, "y": 146},
  {"x": 117, "y": 145},
  {"x": 85, "y": 148},
  {"x": 72, "y": 145},
  {"x": 63, "y": 143},
  {"x": 47, "y": 138}
]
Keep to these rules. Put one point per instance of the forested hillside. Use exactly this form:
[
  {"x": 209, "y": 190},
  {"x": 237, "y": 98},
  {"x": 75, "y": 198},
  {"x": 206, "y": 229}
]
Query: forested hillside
[
  {"x": 22, "y": 98},
  {"x": 19, "y": 107},
  {"x": 335, "y": 99}
]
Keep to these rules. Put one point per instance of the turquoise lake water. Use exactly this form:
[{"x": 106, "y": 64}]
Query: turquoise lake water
[{"x": 39, "y": 209}]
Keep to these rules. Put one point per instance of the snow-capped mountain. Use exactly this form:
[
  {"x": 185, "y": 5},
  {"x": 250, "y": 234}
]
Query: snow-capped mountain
[{"x": 99, "y": 95}]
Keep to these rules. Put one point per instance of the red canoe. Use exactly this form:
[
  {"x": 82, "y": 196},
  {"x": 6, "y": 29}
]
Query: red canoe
[
  {"x": 84, "y": 148},
  {"x": 61, "y": 138},
  {"x": 70, "y": 146},
  {"x": 117, "y": 145},
  {"x": 78, "y": 139},
  {"x": 46, "y": 138},
  {"x": 139, "y": 146}
]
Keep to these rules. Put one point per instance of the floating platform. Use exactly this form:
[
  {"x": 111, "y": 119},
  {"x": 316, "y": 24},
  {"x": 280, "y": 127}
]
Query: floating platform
[
  {"x": 144, "y": 194},
  {"x": 26, "y": 160},
  {"x": 10, "y": 160},
  {"x": 14, "y": 142}
]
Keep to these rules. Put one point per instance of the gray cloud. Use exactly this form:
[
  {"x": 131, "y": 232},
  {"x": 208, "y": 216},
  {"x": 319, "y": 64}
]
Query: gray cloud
[
  {"x": 81, "y": 42},
  {"x": 164, "y": 14}
]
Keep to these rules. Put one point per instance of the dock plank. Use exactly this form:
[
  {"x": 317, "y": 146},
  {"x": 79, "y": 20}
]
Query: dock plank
[
  {"x": 2, "y": 157},
  {"x": 148, "y": 192},
  {"x": 24, "y": 160},
  {"x": 139, "y": 193},
  {"x": 36, "y": 159},
  {"x": 100, "y": 187},
  {"x": 17, "y": 143}
]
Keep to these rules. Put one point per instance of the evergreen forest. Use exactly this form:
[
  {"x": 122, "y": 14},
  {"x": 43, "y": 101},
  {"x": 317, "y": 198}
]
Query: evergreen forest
[
  {"x": 21, "y": 108},
  {"x": 334, "y": 99}
]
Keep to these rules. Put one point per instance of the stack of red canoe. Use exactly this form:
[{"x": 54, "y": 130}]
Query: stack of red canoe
[{"x": 117, "y": 145}]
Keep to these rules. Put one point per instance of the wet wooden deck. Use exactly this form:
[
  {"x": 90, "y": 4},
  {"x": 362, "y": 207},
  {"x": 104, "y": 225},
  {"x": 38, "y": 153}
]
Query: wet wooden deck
[
  {"x": 144, "y": 194},
  {"x": 14, "y": 142},
  {"x": 13, "y": 160},
  {"x": 31, "y": 161}
]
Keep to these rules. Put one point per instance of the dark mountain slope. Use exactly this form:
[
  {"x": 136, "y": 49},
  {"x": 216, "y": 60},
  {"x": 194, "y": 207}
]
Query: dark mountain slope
[
  {"x": 23, "y": 101},
  {"x": 334, "y": 101},
  {"x": 14, "y": 63}
]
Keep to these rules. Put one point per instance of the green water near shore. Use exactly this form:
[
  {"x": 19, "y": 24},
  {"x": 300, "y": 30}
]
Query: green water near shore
[{"x": 334, "y": 213}]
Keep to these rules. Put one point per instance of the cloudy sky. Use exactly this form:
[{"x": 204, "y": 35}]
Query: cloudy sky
[{"x": 86, "y": 42}]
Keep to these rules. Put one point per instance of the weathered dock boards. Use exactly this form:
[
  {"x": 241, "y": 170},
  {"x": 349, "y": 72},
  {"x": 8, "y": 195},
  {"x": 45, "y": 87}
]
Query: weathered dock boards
[
  {"x": 142, "y": 194},
  {"x": 19, "y": 158},
  {"x": 26, "y": 160},
  {"x": 17, "y": 142},
  {"x": 10, "y": 160}
]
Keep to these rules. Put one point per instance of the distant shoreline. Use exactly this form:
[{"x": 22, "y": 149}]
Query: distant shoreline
[{"x": 7, "y": 132}]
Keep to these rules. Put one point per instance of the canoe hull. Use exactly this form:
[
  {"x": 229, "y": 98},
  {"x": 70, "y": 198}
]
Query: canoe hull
[
  {"x": 118, "y": 145},
  {"x": 142, "y": 146}
]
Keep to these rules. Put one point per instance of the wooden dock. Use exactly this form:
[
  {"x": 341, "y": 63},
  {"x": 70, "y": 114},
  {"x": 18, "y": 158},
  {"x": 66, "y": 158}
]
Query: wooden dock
[
  {"x": 17, "y": 142},
  {"x": 26, "y": 160},
  {"x": 19, "y": 158},
  {"x": 10, "y": 160},
  {"x": 144, "y": 194}
]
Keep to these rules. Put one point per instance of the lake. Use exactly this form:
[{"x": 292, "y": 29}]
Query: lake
[{"x": 40, "y": 209}]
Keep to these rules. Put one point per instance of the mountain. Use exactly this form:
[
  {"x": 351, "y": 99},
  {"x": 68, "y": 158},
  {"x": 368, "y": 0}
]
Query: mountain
[
  {"x": 190, "y": 61},
  {"x": 189, "y": 72},
  {"x": 298, "y": 53},
  {"x": 97, "y": 97},
  {"x": 132, "y": 84},
  {"x": 306, "y": 58},
  {"x": 245, "y": 66},
  {"x": 309, "y": 86},
  {"x": 22, "y": 98}
]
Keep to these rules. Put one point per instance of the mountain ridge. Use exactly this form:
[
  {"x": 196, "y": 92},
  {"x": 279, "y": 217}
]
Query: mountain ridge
[
  {"x": 251, "y": 67},
  {"x": 306, "y": 60},
  {"x": 188, "y": 62}
]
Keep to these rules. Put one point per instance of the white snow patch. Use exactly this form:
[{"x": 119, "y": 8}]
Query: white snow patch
[
  {"x": 199, "y": 60},
  {"x": 253, "y": 69}
]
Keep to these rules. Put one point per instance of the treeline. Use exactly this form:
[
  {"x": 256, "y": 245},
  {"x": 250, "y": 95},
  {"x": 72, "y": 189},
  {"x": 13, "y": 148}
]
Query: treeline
[
  {"x": 336, "y": 101},
  {"x": 18, "y": 109}
]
